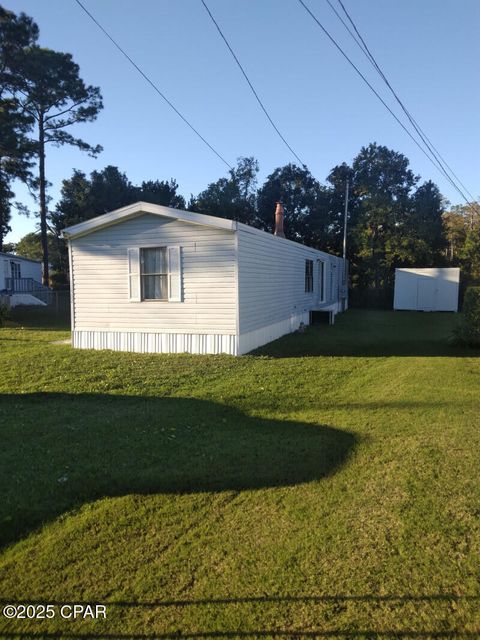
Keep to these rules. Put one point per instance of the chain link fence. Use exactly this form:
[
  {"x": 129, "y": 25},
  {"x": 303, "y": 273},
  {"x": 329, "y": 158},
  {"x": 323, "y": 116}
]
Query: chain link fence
[{"x": 55, "y": 310}]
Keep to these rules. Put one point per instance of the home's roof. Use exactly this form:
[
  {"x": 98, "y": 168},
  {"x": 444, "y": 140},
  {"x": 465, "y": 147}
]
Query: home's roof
[
  {"x": 14, "y": 256},
  {"x": 139, "y": 208}
]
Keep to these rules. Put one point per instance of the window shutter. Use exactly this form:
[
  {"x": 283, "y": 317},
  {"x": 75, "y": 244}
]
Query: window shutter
[
  {"x": 174, "y": 275},
  {"x": 134, "y": 292}
]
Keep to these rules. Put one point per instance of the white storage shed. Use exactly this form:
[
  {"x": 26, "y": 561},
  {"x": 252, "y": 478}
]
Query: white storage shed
[
  {"x": 426, "y": 289},
  {"x": 149, "y": 278}
]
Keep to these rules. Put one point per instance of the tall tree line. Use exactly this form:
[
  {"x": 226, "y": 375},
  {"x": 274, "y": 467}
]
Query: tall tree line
[
  {"x": 393, "y": 219},
  {"x": 41, "y": 97}
]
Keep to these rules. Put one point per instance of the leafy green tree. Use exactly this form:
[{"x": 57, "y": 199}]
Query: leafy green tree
[
  {"x": 462, "y": 233},
  {"x": 470, "y": 254},
  {"x": 16, "y": 150},
  {"x": 381, "y": 238},
  {"x": 427, "y": 224},
  {"x": 335, "y": 215},
  {"x": 233, "y": 197},
  {"x": 30, "y": 246},
  {"x": 161, "y": 192},
  {"x": 303, "y": 198},
  {"x": 110, "y": 189},
  {"x": 455, "y": 229},
  {"x": 48, "y": 88},
  {"x": 83, "y": 198},
  {"x": 74, "y": 204},
  {"x": 462, "y": 239},
  {"x": 9, "y": 247}
]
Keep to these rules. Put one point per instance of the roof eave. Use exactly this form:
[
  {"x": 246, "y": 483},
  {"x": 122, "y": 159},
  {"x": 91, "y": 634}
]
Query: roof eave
[{"x": 139, "y": 208}]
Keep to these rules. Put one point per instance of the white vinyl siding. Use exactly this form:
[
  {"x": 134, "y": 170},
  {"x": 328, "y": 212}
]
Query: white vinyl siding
[
  {"x": 271, "y": 280},
  {"x": 202, "y": 277}
]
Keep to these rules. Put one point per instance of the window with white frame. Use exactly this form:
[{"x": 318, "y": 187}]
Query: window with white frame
[
  {"x": 154, "y": 273},
  {"x": 308, "y": 276}
]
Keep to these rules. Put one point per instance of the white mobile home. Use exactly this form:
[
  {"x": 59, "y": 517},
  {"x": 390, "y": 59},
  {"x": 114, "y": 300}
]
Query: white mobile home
[
  {"x": 434, "y": 289},
  {"x": 149, "y": 278},
  {"x": 15, "y": 270}
]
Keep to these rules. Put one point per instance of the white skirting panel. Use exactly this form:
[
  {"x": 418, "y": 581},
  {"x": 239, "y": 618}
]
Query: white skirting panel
[
  {"x": 140, "y": 342},
  {"x": 258, "y": 337}
]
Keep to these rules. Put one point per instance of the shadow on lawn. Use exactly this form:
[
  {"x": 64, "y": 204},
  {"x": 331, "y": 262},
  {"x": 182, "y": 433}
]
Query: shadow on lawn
[
  {"x": 373, "y": 334},
  {"x": 376, "y": 600},
  {"x": 62, "y": 450},
  {"x": 362, "y": 634}
]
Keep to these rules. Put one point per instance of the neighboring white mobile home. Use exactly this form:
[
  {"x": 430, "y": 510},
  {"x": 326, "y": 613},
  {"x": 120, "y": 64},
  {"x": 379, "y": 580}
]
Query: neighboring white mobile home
[
  {"x": 148, "y": 278},
  {"x": 15, "y": 270},
  {"x": 433, "y": 289}
]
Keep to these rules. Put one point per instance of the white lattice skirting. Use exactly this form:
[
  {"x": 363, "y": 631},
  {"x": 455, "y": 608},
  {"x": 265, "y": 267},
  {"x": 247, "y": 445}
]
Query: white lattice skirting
[{"x": 140, "y": 342}]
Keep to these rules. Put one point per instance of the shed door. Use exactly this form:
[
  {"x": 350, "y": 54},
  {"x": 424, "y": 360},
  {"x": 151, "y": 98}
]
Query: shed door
[{"x": 426, "y": 293}]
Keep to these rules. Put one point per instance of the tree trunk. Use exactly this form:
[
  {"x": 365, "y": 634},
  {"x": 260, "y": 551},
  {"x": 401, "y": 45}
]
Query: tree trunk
[
  {"x": 43, "y": 202},
  {"x": 3, "y": 214}
]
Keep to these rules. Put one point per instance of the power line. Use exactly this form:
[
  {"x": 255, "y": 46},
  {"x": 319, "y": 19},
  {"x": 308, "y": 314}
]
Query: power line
[
  {"x": 359, "y": 40},
  {"x": 334, "y": 42},
  {"x": 249, "y": 82},
  {"x": 153, "y": 85},
  {"x": 365, "y": 49}
]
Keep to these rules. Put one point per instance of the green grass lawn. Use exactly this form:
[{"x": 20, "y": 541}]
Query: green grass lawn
[{"x": 326, "y": 486}]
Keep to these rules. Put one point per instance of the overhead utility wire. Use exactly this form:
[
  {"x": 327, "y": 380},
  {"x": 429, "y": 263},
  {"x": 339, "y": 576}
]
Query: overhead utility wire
[
  {"x": 334, "y": 42},
  {"x": 153, "y": 85},
  {"x": 365, "y": 49},
  {"x": 427, "y": 142},
  {"x": 249, "y": 82}
]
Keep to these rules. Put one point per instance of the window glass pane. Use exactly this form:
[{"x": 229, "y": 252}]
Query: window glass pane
[
  {"x": 308, "y": 276},
  {"x": 154, "y": 287},
  {"x": 174, "y": 256},
  {"x": 15, "y": 270},
  {"x": 154, "y": 260},
  {"x": 321, "y": 280}
]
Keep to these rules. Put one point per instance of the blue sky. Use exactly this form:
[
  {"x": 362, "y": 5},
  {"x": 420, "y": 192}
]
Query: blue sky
[{"x": 429, "y": 49}]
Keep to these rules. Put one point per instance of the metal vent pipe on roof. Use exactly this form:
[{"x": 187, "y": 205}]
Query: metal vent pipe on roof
[{"x": 279, "y": 221}]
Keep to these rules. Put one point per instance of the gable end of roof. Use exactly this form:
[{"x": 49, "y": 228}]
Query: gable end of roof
[{"x": 139, "y": 208}]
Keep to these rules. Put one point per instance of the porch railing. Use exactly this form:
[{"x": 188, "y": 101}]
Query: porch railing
[{"x": 24, "y": 285}]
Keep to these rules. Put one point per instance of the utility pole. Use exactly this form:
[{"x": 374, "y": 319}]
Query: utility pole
[
  {"x": 344, "y": 275},
  {"x": 347, "y": 186}
]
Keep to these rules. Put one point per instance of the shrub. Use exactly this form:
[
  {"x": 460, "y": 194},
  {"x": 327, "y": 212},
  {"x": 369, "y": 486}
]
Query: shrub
[{"x": 467, "y": 331}]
